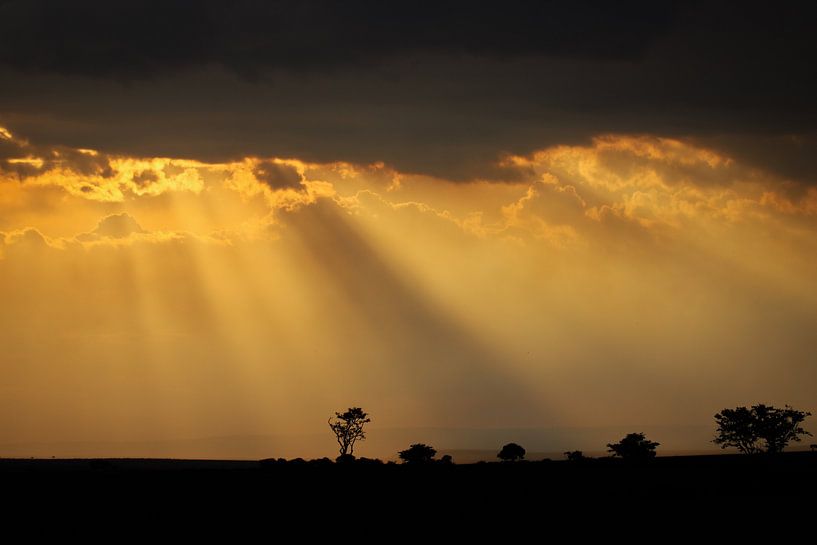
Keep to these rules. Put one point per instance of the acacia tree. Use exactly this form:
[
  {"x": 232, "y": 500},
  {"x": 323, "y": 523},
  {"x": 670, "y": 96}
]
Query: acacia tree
[
  {"x": 634, "y": 447},
  {"x": 417, "y": 453},
  {"x": 348, "y": 428},
  {"x": 511, "y": 453},
  {"x": 760, "y": 428},
  {"x": 778, "y": 427},
  {"x": 736, "y": 428},
  {"x": 575, "y": 456}
]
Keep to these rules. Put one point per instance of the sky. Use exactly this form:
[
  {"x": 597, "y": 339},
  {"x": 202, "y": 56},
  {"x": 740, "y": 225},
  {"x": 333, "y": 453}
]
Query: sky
[{"x": 560, "y": 221}]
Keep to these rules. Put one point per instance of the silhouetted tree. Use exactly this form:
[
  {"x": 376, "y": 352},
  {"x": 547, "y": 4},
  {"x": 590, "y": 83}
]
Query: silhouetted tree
[
  {"x": 348, "y": 428},
  {"x": 778, "y": 427},
  {"x": 736, "y": 428},
  {"x": 759, "y": 428},
  {"x": 511, "y": 453},
  {"x": 575, "y": 455},
  {"x": 447, "y": 459},
  {"x": 417, "y": 453},
  {"x": 634, "y": 446}
]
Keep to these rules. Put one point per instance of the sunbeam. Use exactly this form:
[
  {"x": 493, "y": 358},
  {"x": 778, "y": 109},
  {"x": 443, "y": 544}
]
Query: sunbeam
[{"x": 229, "y": 308}]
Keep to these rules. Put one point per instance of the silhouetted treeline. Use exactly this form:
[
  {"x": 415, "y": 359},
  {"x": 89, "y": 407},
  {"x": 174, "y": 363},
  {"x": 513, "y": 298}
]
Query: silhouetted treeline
[
  {"x": 751, "y": 430},
  {"x": 670, "y": 476}
]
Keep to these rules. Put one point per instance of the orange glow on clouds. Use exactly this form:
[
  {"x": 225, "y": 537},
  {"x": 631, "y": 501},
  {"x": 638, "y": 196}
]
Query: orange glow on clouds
[{"x": 636, "y": 280}]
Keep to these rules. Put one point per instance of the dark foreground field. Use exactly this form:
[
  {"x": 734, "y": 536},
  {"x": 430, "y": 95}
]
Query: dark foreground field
[
  {"x": 322, "y": 480},
  {"x": 127, "y": 497}
]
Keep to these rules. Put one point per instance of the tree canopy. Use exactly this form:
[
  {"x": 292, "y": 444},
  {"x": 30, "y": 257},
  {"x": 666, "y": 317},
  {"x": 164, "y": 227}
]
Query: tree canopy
[
  {"x": 348, "y": 428},
  {"x": 761, "y": 428},
  {"x": 575, "y": 455},
  {"x": 417, "y": 453},
  {"x": 511, "y": 453},
  {"x": 634, "y": 447}
]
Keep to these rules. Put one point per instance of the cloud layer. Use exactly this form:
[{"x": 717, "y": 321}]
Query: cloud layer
[
  {"x": 632, "y": 281},
  {"x": 447, "y": 91}
]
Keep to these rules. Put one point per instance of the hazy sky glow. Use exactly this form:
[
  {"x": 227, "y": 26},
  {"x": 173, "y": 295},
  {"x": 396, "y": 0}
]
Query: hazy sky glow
[{"x": 218, "y": 278}]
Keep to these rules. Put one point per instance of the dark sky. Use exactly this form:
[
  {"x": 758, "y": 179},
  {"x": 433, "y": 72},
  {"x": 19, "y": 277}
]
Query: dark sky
[{"x": 441, "y": 88}]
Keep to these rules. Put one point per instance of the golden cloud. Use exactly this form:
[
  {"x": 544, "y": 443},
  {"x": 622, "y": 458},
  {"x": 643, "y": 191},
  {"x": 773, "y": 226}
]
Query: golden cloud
[
  {"x": 615, "y": 186},
  {"x": 661, "y": 182}
]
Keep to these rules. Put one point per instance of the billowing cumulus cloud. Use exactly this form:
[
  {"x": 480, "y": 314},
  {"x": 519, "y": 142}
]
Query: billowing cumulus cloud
[
  {"x": 661, "y": 183},
  {"x": 25, "y": 238},
  {"x": 113, "y": 226},
  {"x": 616, "y": 184},
  {"x": 19, "y": 157},
  {"x": 94, "y": 175}
]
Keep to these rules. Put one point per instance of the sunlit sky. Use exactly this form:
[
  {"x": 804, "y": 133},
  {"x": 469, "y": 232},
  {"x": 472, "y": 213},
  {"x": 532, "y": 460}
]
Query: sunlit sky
[{"x": 170, "y": 271}]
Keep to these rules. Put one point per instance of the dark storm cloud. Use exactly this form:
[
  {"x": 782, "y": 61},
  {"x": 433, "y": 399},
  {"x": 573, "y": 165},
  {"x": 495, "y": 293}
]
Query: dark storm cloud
[
  {"x": 11, "y": 150},
  {"x": 145, "y": 178},
  {"x": 444, "y": 88},
  {"x": 141, "y": 38},
  {"x": 277, "y": 176},
  {"x": 24, "y": 159}
]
